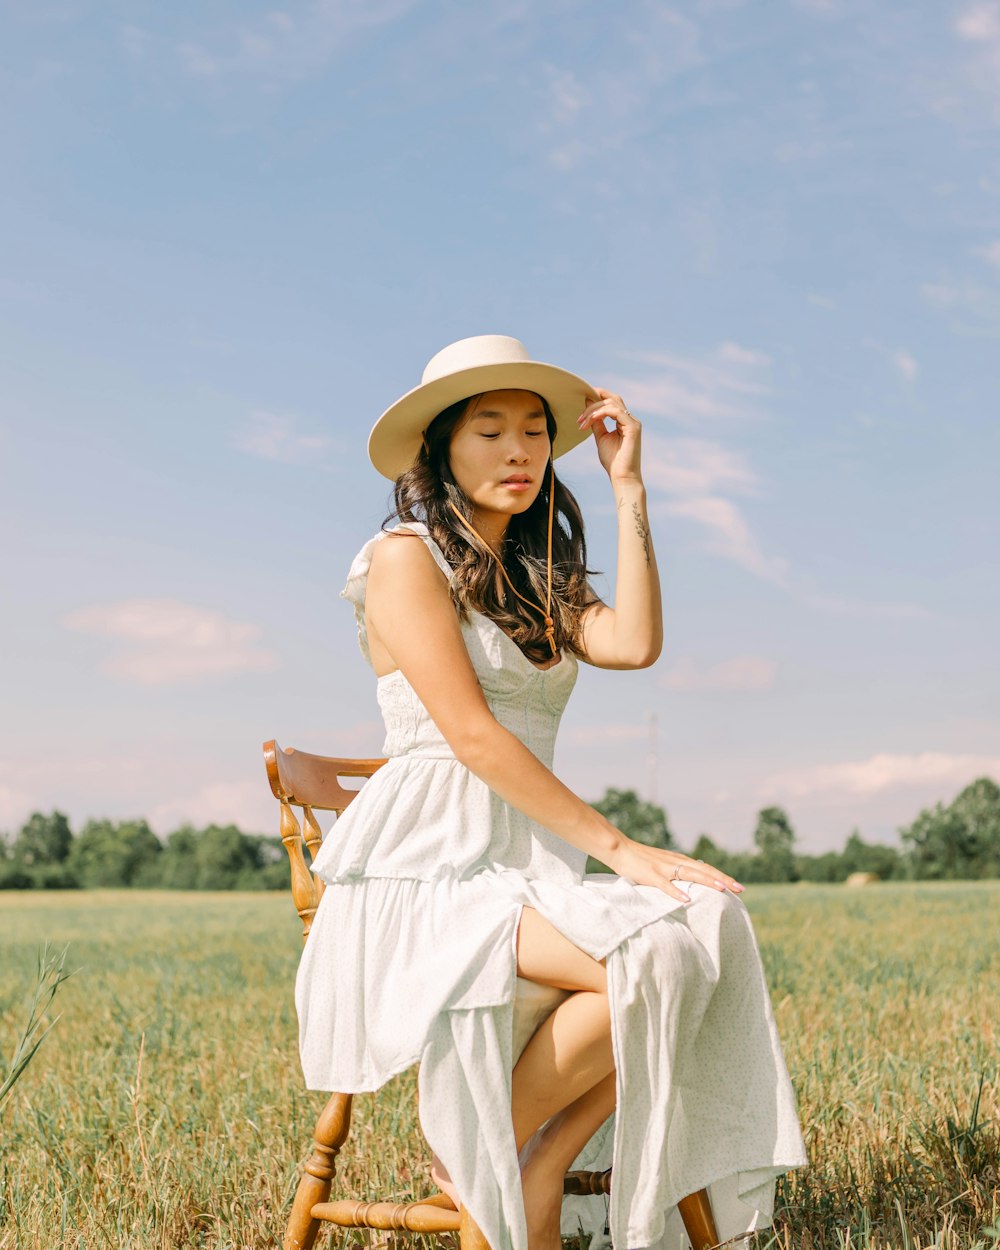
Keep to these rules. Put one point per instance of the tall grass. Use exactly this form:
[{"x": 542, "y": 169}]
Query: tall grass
[
  {"x": 167, "y": 1109},
  {"x": 50, "y": 973}
]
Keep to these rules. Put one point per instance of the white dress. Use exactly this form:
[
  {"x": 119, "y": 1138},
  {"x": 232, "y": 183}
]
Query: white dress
[{"x": 411, "y": 958}]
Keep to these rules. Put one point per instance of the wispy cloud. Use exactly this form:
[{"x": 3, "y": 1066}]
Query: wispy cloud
[
  {"x": 741, "y": 672},
  {"x": 823, "y": 8},
  {"x": 243, "y": 803},
  {"x": 729, "y": 535},
  {"x": 270, "y": 50},
  {"x": 694, "y": 466},
  {"x": 882, "y": 772},
  {"x": 978, "y": 27},
  {"x": 972, "y": 308},
  {"x": 722, "y": 384},
  {"x": 168, "y": 641},
  {"x": 568, "y": 95},
  {"x": 979, "y": 23},
  {"x": 855, "y": 607},
  {"x": 905, "y": 364},
  {"x": 275, "y": 436},
  {"x": 991, "y": 253},
  {"x": 579, "y": 124},
  {"x": 699, "y": 476}
]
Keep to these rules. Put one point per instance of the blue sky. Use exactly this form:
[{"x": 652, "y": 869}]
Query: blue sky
[{"x": 234, "y": 233}]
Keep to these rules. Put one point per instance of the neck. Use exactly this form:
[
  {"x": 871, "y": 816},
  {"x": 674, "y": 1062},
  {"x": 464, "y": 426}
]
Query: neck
[{"x": 492, "y": 526}]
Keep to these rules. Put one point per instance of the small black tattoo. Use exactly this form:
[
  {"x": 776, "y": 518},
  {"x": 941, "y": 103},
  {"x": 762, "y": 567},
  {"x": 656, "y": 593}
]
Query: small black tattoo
[{"x": 643, "y": 531}]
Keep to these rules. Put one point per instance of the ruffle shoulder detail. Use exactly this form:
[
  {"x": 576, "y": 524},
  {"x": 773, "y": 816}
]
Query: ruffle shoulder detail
[{"x": 357, "y": 578}]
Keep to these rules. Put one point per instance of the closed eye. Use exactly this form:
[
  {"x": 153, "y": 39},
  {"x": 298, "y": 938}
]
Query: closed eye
[{"x": 529, "y": 433}]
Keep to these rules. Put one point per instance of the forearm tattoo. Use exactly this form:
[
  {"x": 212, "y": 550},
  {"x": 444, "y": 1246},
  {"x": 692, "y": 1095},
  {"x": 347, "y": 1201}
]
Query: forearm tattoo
[{"x": 643, "y": 531}]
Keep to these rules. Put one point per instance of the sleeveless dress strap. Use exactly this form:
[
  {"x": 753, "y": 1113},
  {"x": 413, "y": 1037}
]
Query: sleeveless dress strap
[{"x": 357, "y": 578}]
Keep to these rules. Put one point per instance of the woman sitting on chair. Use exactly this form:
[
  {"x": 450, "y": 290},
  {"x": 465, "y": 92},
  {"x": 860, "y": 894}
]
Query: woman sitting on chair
[{"x": 457, "y": 912}]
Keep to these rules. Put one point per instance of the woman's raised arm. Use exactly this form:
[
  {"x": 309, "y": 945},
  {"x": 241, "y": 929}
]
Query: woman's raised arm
[
  {"x": 629, "y": 635},
  {"x": 411, "y": 618}
]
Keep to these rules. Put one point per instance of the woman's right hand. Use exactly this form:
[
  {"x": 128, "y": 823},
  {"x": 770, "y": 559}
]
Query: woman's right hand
[{"x": 650, "y": 865}]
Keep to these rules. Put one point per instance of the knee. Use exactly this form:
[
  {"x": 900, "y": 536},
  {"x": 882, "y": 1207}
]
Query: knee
[{"x": 723, "y": 902}]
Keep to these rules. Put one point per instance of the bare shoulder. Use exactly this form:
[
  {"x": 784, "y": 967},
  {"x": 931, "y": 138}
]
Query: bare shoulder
[{"x": 402, "y": 558}]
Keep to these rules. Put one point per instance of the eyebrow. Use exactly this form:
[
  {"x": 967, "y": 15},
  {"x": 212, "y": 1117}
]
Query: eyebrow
[{"x": 540, "y": 412}]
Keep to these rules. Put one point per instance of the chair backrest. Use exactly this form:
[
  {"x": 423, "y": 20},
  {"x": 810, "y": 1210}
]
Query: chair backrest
[{"x": 311, "y": 782}]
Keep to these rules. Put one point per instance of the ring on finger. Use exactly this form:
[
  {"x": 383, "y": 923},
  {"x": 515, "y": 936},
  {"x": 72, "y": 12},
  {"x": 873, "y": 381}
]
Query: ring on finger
[{"x": 676, "y": 873}]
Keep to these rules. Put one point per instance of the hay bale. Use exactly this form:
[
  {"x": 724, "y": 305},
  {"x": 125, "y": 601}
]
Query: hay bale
[{"x": 862, "y": 878}]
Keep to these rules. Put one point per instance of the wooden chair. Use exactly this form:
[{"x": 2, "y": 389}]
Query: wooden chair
[{"x": 312, "y": 783}]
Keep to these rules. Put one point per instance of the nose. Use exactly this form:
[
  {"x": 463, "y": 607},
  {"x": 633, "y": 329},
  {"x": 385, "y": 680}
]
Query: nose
[{"x": 518, "y": 450}]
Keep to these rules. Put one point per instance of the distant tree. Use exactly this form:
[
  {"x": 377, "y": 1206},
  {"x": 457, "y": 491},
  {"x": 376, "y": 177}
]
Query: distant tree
[
  {"x": 43, "y": 840},
  {"x": 14, "y": 876},
  {"x": 273, "y": 873},
  {"x": 223, "y": 855},
  {"x": 177, "y": 866},
  {"x": 978, "y": 805},
  {"x": 638, "y": 819},
  {"x": 109, "y": 854},
  {"x": 713, "y": 854},
  {"x": 828, "y": 867},
  {"x": 861, "y": 856},
  {"x": 775, "y": 842},
  {"x": 960, "y": 840}
]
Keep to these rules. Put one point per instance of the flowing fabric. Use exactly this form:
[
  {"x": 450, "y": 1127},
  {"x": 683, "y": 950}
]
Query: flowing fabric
[{"x": 412, "y": 959}]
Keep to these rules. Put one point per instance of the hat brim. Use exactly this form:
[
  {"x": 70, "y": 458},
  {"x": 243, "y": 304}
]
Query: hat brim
[{"x": 396, "y": 436}]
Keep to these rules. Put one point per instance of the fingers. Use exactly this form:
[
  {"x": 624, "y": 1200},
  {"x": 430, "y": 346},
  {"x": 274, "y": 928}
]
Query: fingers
[
  {"x": 699, "y": 873},
  {"x": 610, "y": 406}
]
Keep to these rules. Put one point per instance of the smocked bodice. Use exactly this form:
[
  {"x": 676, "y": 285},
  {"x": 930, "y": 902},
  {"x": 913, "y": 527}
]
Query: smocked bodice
[{"x": 526, "y": 700}]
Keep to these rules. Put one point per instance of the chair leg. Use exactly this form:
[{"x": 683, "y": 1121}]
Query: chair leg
[
  {"x": 329, "y": 1135},
  {"x": 469, "y": 1235},
  {"x": 699, "y": 1222}
]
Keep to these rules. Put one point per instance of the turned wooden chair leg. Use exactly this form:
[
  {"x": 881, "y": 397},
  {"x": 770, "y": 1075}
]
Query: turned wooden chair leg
[
  {"x": 330, "y": 1134},
  {"x": 699, "y": 1222},
  {"x": 469, "y": 1235}
]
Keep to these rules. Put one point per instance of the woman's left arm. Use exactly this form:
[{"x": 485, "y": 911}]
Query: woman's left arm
[{"x": 629, "y": 635}]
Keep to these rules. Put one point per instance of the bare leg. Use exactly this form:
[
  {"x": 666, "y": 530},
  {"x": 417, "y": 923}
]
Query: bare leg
[
  {"x": 551, "y": 1153},
  {"x": 565, "y": 1077},
  {"x": 568, "y": 1055}
]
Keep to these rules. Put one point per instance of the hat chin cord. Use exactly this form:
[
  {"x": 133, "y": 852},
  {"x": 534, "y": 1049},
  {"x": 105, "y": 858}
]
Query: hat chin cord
[{"x": 535, "y": 607}]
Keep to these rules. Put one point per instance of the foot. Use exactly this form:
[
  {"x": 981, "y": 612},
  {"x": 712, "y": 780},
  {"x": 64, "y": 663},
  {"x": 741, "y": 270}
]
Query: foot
[{"x": 542, "y": 1189}]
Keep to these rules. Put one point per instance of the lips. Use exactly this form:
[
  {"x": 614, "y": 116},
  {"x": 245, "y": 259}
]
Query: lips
[{"x": 516, "y": 478}]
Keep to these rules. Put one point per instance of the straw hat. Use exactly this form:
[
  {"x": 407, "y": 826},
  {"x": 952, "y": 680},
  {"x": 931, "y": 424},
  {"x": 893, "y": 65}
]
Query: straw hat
[{"x": 488, "y": 362}]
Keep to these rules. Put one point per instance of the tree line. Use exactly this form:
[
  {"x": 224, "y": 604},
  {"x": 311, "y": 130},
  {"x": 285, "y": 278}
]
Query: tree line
[
  {"x": 957, "y": 841},
  {"x": 45, "y": 854},
  {"x": 951, "y": 842}
]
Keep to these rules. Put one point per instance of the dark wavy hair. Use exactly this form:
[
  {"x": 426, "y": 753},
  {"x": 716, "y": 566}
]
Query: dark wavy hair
[{"x": 428, "y": 488}]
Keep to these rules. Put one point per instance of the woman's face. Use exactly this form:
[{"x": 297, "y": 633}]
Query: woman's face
[{"x": 499, "y": 452}]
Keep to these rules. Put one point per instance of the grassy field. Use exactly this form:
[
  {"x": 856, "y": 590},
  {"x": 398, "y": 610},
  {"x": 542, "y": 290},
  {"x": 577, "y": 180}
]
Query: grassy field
[{"x": 166, "y": 1107}]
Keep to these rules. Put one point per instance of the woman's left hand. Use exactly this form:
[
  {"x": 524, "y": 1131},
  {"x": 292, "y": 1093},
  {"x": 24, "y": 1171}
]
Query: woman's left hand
[{"x": 618, "y": 449}]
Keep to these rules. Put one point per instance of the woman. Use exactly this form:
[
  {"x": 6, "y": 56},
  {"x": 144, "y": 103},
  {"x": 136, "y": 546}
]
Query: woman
[{"x": 457, "y": 914}]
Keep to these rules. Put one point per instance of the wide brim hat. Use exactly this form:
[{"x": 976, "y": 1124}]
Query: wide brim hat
[{"x": 487, "y": 362}]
